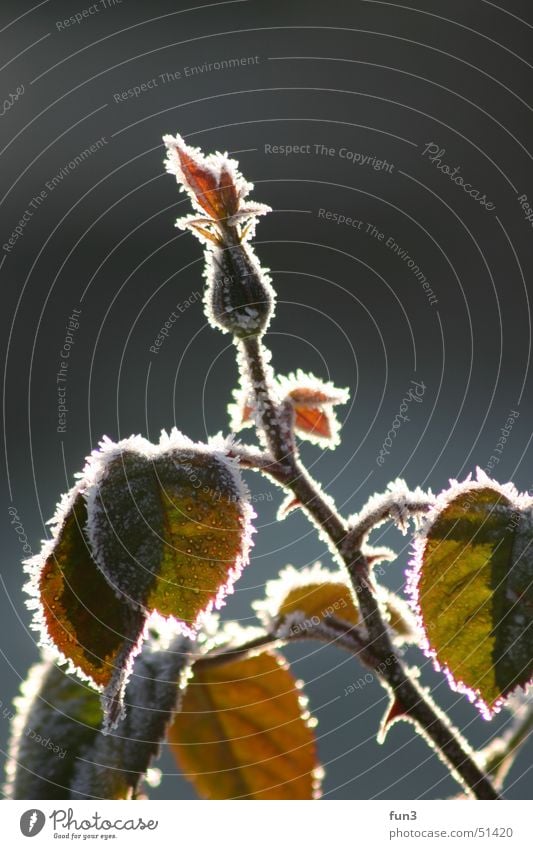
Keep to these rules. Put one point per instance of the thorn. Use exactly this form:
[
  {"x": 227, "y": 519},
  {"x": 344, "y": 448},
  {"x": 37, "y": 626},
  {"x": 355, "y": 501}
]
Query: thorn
[
  {"x": 288, "y": 506},
  {"x": 394, "y": 712},
  {"x": 378, "y": 556}
]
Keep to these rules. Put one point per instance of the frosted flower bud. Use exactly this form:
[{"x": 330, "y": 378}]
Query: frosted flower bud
[{"x": 239, "y": 298}]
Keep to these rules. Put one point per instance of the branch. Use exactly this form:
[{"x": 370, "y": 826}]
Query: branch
[
  {"x": 331, "y": 630},
  {"x": 230, "y": 654},
  {"x": 398, "y": 504},
  {"x": 499, "y": 756},
  {"x": 413, "y": 702},
  {"x": 261, "y": 461},
  {"x": 239, "y": 299}
]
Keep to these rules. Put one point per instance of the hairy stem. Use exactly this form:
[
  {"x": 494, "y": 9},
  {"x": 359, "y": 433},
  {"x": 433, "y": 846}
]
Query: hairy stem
[{"x": 413, "y": 702}]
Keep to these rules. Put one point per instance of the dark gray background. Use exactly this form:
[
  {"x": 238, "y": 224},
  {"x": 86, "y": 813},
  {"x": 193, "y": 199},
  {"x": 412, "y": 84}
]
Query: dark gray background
[{"x": 376, "y": 78}]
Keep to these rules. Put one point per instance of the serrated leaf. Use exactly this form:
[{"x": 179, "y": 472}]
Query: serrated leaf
[
  {"x": 80, "y": 612},
  {"x": 170, "y": 529},
  {"x": 472, "y": 584},
  {"x": 58, "y": 717},
  {"x": 241, "y": 732}
]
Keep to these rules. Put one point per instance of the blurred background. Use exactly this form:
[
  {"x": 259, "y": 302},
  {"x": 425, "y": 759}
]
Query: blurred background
[{"x": 378, "y": 98}]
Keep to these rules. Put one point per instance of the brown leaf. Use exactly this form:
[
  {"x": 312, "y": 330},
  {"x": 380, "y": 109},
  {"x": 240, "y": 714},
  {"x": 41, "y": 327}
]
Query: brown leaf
[
  {"x": 81, "y": 612},
  {"x": 242, "y": 732}
]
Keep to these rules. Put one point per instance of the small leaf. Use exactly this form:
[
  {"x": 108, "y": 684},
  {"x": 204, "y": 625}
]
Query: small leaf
[
  {"x": 213, "y": 182},
  {"x": 472, "y": 586},
  {"x": 315, "y": 594},
  {"x": 312, "y": 401},
  {"x": 170, "y": 525},
  {"x": 78, "y": 611},
  {"x": 57, "y": 718},
  {"x": 318, "y": 600},
  {"x": 242, "y": 732},
  {"x": 315, "y": 422}
]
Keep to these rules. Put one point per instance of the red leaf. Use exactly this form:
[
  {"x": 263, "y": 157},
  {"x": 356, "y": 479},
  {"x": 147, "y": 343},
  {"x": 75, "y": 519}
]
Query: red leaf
[
  {"x": 213, "y": 184},
  {"x": 313, "y": 420}
]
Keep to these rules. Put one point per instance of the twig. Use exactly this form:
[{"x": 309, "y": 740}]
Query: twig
[
  {"x": 230, "y": 654},
  {"x": 414, "y": 703},
  {"x": 398, "y": 504},
  {"x": 330, "y": 630},
  {"x": 499, "y": 756}
]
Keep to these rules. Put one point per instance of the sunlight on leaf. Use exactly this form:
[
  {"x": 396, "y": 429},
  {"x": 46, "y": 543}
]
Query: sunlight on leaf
[
  {"x": 170, "y": 525},
  {"x": 243, "y": 732},
  {"x": 317, "y": 593},
  {"x": 472, "y": 585},
  {"x": 79, "y": 612}
]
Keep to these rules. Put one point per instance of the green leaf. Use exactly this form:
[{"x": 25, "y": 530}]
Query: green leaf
[
  {"x": 57, "y": 718},
  {"x": 59, "y": 746},
  {"x": 472, "y": 586},
  {"x": 169, "y": 525}
]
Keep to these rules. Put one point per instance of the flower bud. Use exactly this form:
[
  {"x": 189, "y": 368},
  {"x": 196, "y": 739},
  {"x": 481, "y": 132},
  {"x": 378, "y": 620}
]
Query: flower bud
[{"x": 239, "y": 298}]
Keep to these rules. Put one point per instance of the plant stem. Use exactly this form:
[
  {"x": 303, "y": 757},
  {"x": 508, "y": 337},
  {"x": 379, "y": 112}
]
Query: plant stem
[
  {"x": 229, "y": 654},
  {"x": 331, "y": 630},
  {"x": 500, "y": 756},
  {"x": 413, "y": 702}
]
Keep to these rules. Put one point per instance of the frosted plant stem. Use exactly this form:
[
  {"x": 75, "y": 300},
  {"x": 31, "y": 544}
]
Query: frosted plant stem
[
  {"x": 412, "y": 701},
  {"x": 500, "y": 760},
  {"x": 331, "y": 631}
]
